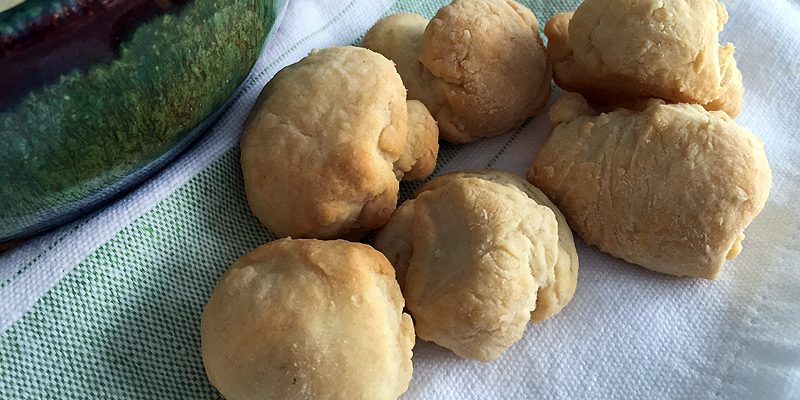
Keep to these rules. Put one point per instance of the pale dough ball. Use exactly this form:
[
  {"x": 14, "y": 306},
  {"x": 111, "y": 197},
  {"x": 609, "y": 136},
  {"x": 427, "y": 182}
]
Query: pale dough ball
[
  {"x": 399, "y": 38},
  {"x": 670, "y": 188},
  {"x": 471, "y": 251},
  {"x": 730, "y": 99},
  {"x": 308, "y": 319},
  {"x": 553, "y": 297},
  {"x": 617, "y": 50},
  {"x": 321, "y": 146},
  {"x": 479, "y": 66},
  {"x": 422, "y": 146}
]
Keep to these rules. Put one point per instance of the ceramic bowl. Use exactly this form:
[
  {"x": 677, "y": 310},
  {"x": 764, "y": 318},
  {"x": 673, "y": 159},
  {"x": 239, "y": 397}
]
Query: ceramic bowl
[{"x": 96, "y": 95}]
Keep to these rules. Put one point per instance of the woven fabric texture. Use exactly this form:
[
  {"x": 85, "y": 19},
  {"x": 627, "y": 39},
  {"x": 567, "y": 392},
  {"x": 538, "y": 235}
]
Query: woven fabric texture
[{"x": 119, "y": 317}]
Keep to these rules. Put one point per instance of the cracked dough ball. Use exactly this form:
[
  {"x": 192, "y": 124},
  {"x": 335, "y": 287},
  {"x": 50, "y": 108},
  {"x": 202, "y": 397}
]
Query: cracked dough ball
[
  {"x": 479, "y": 66},
  {"x": 471, "y": 251},
  {"x": 308, "y": 319},
  {"x": 670, "y": 188},
  {"x": 617, "y": 50},
  {"x": 419, "y": 158},
  {"x": 553, "y": 297},
  {"x": 325, "y": 144},
  {"x": 730, "y": 100},
  {"x": 399, "y": 38}
]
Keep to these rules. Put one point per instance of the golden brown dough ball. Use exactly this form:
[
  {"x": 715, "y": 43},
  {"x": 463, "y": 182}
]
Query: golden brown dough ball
[
  {"x": 308, "y": 319},
  {"x": 399, "y": 38},
  {"x": 479, "y": 66},
  {"x": 471, "y": 252},
  {"x": 670, "y": 188},
  {"x": 422, "y": 146},
  {"x": 324, "y": 146},
  {"x": 617, "y": 50}
]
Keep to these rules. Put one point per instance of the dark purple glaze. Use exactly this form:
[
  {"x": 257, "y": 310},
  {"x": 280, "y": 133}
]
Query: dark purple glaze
[{"x": 73, "y": 38}]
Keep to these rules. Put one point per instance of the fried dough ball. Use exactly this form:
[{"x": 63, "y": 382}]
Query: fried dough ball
[
  {"x": 419, "y": 158},
  {"x": 671, "y": 188},
  {"x": 552, "y": 298},
  {"x": 614, "y": 51},
  {"x": 471, "y": 252},
  {"x": 327, "y": 141},
  {"x": 479, "y": 66},
  {"x": 308, "y": 319}
]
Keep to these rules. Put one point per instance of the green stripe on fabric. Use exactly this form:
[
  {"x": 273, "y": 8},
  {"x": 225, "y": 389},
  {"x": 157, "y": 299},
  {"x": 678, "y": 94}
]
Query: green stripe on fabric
[
  {"x": 16, "y": 274},
  {"x": 124, "y": 323}
]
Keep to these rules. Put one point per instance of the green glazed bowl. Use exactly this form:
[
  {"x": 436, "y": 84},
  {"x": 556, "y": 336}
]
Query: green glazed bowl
[{"x": 97, "y": 95}]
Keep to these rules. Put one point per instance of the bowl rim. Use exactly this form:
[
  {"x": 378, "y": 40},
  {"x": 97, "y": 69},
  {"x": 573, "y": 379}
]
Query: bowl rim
[{"x": 68, "y": 212}]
